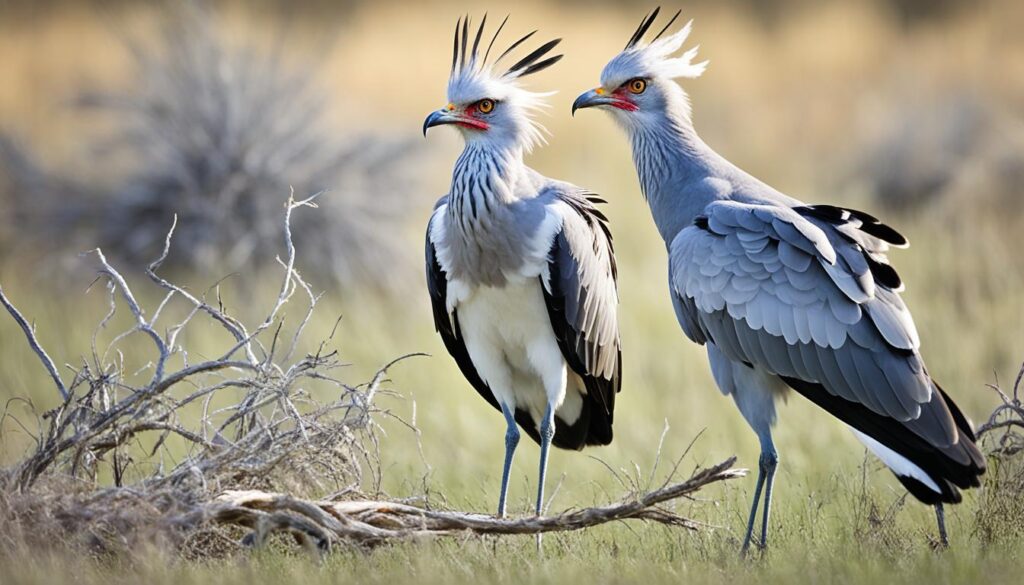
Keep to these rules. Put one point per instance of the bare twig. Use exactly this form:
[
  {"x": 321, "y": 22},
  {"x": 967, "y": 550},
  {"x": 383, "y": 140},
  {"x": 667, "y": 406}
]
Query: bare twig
[
  {"x": 1008, "y": 417},
  {"x": 30, "y": 335}
]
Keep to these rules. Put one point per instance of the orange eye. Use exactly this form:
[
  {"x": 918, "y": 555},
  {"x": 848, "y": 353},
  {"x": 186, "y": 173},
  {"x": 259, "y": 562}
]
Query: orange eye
[
  {"x": 485, "y": 106},
  {"x": 637, "y": 85}
]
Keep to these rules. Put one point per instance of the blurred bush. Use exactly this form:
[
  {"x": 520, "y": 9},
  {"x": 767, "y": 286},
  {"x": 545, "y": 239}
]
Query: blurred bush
[
  {"x": 953, "y": 148},
  {"x": 218, "y": 133}
]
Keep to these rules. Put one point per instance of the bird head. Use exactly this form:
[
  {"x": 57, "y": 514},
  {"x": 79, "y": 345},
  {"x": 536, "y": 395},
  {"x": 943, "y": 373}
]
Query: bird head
[
  {"x": 638, "y": 85},
  {"x": 487, "y": 104}
]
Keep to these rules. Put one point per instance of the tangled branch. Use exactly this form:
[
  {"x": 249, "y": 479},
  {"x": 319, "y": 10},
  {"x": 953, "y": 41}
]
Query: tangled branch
[
  {"x": 1000, "y": 512},
  {"x": 1008, "y": 417},
  {"x": 184, "y": 432}
]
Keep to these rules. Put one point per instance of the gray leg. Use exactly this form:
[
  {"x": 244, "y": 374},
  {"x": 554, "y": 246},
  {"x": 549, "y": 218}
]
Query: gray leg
[
  {"x": 753, "y": 511},
  {"x": 511, "y": 441},
  {"x": 547, "y": 432},
  {"x": 940, "y": 516},
  {"x": 767, "y": 463}
]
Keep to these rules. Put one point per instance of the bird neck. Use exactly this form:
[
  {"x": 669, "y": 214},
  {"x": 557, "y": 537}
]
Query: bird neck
[
  {"x": 485, "y": 177},
  {"x": 672, "y": 162}
]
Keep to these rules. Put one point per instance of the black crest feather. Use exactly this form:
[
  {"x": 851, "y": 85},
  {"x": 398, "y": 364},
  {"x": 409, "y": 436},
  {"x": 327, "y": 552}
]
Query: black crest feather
[
  {"x": 524, "y": 64},
  {"x": 658, "y": 36},
  {"x": 455, "y": 45},
  {"x": 465, "y": 36},
  {"x": 479, "y": 33},
  {"x": 514, "y": 45},
  {"x": 538, "y": 60},
  {"x": 541, "y": 66},
  {"x": 496, "y": 33},
  {"x": 641, "y": 30}
]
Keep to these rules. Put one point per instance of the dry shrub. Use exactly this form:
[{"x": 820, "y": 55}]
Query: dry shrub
[
  {"x": 874, "y": 516},
  {"x": 958, "y": 149},
  {"x": 213, "y": 131},
  {"x": 1000, "y": 516},
  {"x": 137, "y": 444}
]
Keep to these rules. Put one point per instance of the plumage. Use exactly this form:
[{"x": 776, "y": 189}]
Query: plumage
[
  {"x": 784, "y": 294},
  {"x": 667, "y": 25},
  {"x": 513, "y": 46},
  {"x": 520, "y": 268},
  {"x": 526, "y": 64},
  {"x": 487, "y": 53},
  {"x": 479, "y": 33},
  {"x": 642, "y": 29}
]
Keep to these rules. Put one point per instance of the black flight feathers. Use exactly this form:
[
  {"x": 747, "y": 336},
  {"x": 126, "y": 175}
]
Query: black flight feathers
[
  {"x": 645, "y": 24},
  {"x": 528, "y": 65},
  {"x": 869, "y": 223}
]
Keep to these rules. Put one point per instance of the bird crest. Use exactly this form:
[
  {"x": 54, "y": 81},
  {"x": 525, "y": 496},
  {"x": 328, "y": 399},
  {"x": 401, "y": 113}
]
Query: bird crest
[
  {"x": 654, "y": 58},
  {"x": 473, "y": 77}
]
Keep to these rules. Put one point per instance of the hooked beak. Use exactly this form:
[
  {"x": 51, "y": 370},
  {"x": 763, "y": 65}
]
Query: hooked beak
[
  {"x": 594, "y": 97},
  {"x": 451, "y": 116},
  {"x": 438, "y": 118}
]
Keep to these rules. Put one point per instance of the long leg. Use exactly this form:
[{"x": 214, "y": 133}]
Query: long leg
[
  {"x": 547, "y": 432},
  {"x": 767, "y": 464},
  {"x": 753, "y": 511},
  {"x": 511, "y": 441},
  {"x": 940, "y": 516}
]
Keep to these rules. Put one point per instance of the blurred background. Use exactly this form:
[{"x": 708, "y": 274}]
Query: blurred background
[{"x": 114, "y": 116}]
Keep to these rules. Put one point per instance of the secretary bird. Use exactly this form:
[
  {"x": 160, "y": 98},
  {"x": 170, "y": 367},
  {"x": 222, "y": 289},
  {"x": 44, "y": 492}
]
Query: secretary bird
[
  {"x": 520, "y": 267},
  {"x": 783, "y": 294}
]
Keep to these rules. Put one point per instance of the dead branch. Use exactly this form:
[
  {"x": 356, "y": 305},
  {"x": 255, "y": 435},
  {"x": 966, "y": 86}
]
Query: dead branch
[
  {"x": 276, "y": 425},
  {"x": 1008, "y": 417},
  {"x": 370, "y": 523}
]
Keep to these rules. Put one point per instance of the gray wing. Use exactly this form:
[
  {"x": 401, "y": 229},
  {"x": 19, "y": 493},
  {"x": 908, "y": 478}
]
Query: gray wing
[
  {"x": 581, "y": 297},
  {"x": 807, "y": 294}
]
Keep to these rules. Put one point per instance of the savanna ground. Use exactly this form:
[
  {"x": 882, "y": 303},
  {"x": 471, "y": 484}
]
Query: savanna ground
[{"x": 915, "y": 118}]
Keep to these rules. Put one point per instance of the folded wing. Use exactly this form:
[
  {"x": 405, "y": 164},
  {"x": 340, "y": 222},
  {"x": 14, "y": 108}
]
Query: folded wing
[{"x": 807, "y": 294}]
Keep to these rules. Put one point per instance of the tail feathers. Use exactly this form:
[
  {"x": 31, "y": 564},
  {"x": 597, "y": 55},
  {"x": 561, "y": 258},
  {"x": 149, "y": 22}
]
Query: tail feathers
[
  {"x": 931, "y": 472},
  {"x": 593, "y": 427}
]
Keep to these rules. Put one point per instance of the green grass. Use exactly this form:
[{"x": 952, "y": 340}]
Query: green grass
[{"x": 838, "y": 517}]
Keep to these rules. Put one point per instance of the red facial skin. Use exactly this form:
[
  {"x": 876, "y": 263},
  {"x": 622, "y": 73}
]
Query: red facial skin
[
  {"x": 469, "y": 119},
  {"x": 622, "y": 100}
]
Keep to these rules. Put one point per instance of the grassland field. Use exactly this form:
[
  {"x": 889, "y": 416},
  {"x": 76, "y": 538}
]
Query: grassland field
[{"x": 795, "y": 104}]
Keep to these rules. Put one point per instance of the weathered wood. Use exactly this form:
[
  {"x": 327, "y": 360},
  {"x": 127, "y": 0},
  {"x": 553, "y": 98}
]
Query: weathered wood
[{"x": 370, "y": 523}]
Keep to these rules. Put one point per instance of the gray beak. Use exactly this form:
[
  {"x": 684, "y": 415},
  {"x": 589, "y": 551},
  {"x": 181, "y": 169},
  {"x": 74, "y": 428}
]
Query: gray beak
[
  {"x": 438, "y": 118},
  {"x": 592, "y": 98}
]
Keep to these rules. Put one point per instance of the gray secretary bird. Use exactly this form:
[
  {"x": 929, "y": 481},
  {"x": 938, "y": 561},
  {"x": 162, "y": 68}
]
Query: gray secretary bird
[
  {"x": 782, "y": 294},
  {"x": 520, "y": 268}
]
